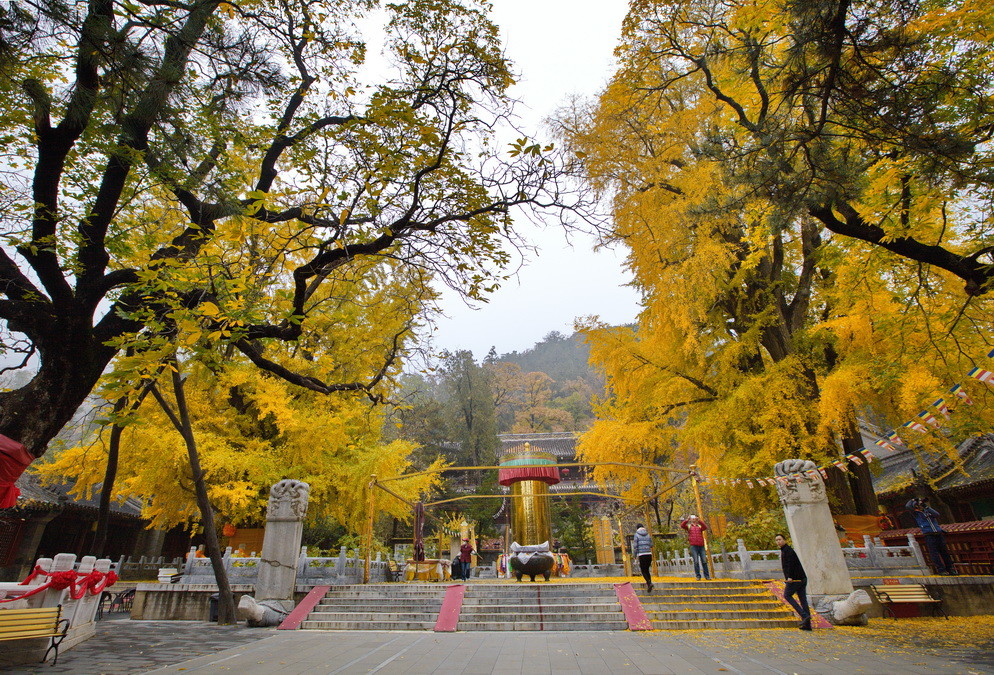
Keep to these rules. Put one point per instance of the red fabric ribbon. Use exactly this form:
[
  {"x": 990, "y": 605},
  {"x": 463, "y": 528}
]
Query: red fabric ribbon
[
  {"x": 14, "y": 458},
  {"x": 78, "y": 584},
  {"x": 37, "y": 571}
]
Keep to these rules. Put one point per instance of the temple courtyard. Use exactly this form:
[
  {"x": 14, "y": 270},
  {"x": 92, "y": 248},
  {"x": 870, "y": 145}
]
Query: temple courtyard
[{"x": 923, "y": 645}]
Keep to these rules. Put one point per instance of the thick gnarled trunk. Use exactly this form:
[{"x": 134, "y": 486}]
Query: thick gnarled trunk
[{"x": 37, "y": 412}]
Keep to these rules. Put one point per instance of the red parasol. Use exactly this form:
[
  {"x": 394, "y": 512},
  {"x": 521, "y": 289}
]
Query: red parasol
[{"x": 14, "y": 459}]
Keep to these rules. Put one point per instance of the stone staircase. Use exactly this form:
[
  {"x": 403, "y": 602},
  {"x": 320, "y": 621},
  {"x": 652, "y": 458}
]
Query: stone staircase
[
  {"x": 378, "y": 607},
  {"x": 503, "y": 606},
  {"x": 723, "y": 603},
  {"x": 539, "y": 606}
]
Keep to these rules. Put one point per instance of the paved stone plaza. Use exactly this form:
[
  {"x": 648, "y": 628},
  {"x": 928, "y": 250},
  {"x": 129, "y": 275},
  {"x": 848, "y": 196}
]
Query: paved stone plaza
[{"x": 962, "y": 645}]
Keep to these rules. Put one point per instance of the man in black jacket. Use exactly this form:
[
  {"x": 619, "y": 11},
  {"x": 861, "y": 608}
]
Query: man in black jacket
[{"x": 797, "y": 581}]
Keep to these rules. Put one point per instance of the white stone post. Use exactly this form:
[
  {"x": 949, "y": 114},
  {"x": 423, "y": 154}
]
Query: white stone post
[
  {"x": 805, "y": 503},
  {"x": 278, "y": 564}
]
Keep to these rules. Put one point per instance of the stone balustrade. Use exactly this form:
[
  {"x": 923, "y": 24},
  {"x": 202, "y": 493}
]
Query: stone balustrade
[
  {"x": 345, "y": 568},
  {"x": 80, "y": 613},
  {"x": 871, "y": 559}
]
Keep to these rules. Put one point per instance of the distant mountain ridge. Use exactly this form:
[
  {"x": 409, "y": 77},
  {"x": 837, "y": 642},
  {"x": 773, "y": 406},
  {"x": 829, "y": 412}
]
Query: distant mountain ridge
[{"x": 561, "y": 357}]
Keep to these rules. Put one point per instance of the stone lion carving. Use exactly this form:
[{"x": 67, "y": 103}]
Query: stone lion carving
[
  {"x": 288, "y": 500},
  {"x": 261, "y": 614},
  {"x": 789, "y": 466},
  {"x": 852, "y": 608}
]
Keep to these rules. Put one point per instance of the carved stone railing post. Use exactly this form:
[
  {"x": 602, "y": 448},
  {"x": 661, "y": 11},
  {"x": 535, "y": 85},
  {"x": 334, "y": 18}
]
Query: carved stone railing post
[
  {"x": 745, "y": 558},
  {"x": 278, "y": 565},
  {"x": 919, "y": 557}
]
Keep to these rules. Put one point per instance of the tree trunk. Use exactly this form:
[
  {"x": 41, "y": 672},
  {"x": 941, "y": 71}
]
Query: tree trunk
[
  {"x": 226, "y": 601},
  {"x": 35, "y": 413},
  {"x": 110, "y": 473},
  {"x": 107, "y": 488},
  {"x": 839, "y": 491},
  {"x": 860, "y": 481}
]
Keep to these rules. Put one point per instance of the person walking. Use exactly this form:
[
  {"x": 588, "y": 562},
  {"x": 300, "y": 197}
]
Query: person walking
[
  {"x": 642, "y": 551},
  {"x": 695, "y": 535},
  {"x": 796, "y": 582},
  {"x": 927, "y": 519},
  {"x": 465, "y": 559}
]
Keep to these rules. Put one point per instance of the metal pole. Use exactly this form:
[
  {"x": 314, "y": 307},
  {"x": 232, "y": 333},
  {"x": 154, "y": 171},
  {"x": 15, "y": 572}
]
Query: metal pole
[
  {"x": 625, "y": 559},
  {"x": 369, "y": 530},
  {"x": 700, "y": 512}
]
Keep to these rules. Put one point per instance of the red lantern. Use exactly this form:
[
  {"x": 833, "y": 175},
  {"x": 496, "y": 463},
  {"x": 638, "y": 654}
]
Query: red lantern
[{"x": 229, "y": 530}]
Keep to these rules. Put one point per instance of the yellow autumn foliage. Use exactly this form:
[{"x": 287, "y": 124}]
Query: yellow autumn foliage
[{"x": 763, "y": 335}]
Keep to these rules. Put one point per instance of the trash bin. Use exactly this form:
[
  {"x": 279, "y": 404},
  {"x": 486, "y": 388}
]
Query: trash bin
[{"x": 214, "y": 600}]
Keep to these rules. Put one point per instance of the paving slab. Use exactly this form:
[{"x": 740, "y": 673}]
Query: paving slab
[
  {"x": 122, "y": 646},
  {"x": 963, "y": 645},
  {"x": 594, "y": 652}
]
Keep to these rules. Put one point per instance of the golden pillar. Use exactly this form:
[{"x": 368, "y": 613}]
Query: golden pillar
[
  {"x": 531, "y": 512},
  {"x": 529, "y": 474}
]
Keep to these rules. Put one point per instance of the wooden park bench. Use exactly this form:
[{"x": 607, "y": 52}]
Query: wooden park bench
[
  {"x": 892, "y": 594},
  {"x": 42, "y": 622}
]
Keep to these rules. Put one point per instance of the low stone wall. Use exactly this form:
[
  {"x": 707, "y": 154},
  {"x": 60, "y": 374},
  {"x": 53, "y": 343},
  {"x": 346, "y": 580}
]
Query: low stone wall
[
  {"x": 178, "y": 602},
  {"x": 961, "y": 595},
  {"x": 586, "y": 571}
]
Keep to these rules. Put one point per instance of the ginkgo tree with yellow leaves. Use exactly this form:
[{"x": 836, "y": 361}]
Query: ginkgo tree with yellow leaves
[
  {"x": 769, "y": 330},
  {"x": 251, "y": 431},
  {"x": 234, "y": 158}
]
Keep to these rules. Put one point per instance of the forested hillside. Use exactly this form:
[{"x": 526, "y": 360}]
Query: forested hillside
[{"x": 560, "y": 357}]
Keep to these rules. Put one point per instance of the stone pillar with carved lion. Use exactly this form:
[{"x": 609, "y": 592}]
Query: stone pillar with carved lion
[
  {"x": 812, "y": 532},
  {"x": 280, "y": 551}
]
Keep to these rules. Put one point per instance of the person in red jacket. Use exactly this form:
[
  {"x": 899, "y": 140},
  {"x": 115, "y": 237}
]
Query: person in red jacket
[
  {"x": 695, "y": 535},
  {"x": 465, "y": 559}
]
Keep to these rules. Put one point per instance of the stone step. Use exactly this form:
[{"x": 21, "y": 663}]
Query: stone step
[
  {"x": 346, "y": 605},
  {"x": 548, "y": 612},
  {"x": 727, "y": 624},
  {"x": 575, "y": 625},
  {"x": 699, "y": 615},
  {"x": 369, "y": 595},
  {"x": 369, "y": 615},
  {"x": 543, "y": 607},
  {"x": 731, "y": 583},
  {"x": 657, "y": 590},
  {"x": 758, "y": 605},
  {"x": 368, "y": 625},
  {"x": 488, "y": 598},
  {"x": 656, "y": 596}
]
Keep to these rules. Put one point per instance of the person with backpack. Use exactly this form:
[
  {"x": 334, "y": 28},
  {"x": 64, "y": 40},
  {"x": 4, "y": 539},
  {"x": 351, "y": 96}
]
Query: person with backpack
[{"x": 642, "y": 551}]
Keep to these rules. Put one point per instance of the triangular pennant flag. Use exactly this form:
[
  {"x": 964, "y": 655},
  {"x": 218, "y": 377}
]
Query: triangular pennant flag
[
  {"x": 749, "y": 483},
  {"x": 942, "y": 407},
  {"x": 958, "y": 390},
  {"x": 894, "y": 438},
  {"x": 855, "y": 460},
  {"x": 888, "y": 446},
  {"x": 917, "y": 426},
  {"x": 928, "y": 418},
  {"x": 982, "y": 375},
  {"x": 824, "y": 474},
  {"x": 990, "y": 354}
]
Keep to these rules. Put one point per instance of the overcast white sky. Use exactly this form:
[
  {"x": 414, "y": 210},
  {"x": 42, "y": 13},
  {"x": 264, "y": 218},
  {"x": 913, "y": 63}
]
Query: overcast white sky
[{"x": 559, "y": 47}]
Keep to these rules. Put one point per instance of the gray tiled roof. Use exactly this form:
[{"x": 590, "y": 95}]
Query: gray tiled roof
[
  {"x": 35, "y": 494},
  {"x": 897, "y": 469},
  {"x": 562, "y": 445}
]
